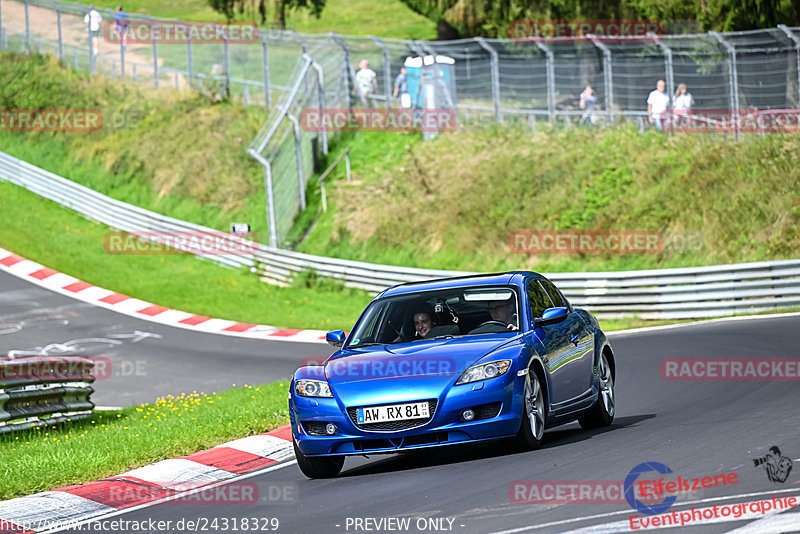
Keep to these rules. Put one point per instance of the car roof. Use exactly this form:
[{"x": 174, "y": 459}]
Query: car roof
[{"x": 507, "y": 278}]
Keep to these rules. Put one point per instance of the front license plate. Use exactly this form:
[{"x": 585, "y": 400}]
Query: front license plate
[{"x": 397, "y": 412}]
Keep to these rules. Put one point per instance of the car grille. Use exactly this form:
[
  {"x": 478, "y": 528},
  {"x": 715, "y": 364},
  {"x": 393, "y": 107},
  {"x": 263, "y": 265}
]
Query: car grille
[
  {"x": 487, "y": 411},
  {"x": 392, "y": 425}
]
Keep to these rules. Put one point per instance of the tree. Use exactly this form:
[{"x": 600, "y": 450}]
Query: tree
[{"x": 249, "y": 8}]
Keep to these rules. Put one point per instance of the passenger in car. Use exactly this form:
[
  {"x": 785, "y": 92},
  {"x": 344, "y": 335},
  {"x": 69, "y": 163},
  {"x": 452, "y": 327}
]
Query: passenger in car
[{"x": 423, "y": 323}]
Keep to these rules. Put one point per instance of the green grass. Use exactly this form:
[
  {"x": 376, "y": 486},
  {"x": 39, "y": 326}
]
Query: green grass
[
  {"x": 59, "y": 238},
  {"x": 383, "y": 18},
  {"x": 110, "y": 443},
  {"x": 452, "y": 203}
]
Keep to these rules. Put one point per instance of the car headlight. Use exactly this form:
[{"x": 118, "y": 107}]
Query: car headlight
[
  {"x": 312, "y": 388},
  {"x": 484, "y": 371}
]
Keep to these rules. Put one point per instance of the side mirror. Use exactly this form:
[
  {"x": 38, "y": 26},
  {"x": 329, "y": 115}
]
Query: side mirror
[
  {"x": 551, "y": 316},
  {"x": 335, "y": 338}
]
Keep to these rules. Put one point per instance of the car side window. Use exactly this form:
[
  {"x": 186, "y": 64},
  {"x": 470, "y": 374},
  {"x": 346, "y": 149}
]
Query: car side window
[
  {"x": 553, "y": 293},
  {"x": 538, "y": 299}
]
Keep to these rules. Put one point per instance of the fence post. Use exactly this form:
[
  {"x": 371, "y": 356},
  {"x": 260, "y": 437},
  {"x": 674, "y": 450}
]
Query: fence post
[
  {"x": 155, "y": 55},
  {"x": 550, "y": 69},
  {"x": 733, "y": 80},
  {"x": 265, "y": 68},
  {"x": 122, "y": 56},
  {"x": 495, "y": 70},
  {"x": 320, "y": 99},
  {"x": 387, "y": 71},
  {"x": 796, "y": 41},
  {"x": 2, "y": 31},
  {"x": 301, "y": 184},
  {"x": 270, "y": 196},
  {"x": 28, "y": 26},
  {"x": 189, "y": 56},
  {"x": 347, "y": 68},
  {"x": 227, "y": 60},
  {"x": 60, "y": 35},
  {"x": 667, "y": 63},
  {"x": 304, "y": 47},
  {"x": 608, "y": 78}
]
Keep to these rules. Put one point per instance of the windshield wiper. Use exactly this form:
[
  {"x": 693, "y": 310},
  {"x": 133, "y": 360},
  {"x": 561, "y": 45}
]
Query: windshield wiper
[{"x": 370, "y": 344}]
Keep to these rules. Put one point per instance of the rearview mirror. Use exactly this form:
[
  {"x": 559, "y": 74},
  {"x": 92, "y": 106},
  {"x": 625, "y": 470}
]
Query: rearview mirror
[
  {"x": 551, "y": 316},
  {"x": 335, "y": 338}
]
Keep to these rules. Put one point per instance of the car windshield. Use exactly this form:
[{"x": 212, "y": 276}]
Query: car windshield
[{"x": 452, "y": 312}]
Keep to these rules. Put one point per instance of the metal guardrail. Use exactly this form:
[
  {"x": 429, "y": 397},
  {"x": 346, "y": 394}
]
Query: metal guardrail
[
  {"x": 692, "y": 292},
  {"x": 38, "y": 391}
]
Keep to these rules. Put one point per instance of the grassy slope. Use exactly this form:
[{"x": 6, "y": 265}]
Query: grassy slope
[
  {"x": 44, "y": 232},
  {"x": 358, "y": 17},
  {"x": 452, "y": 203}
]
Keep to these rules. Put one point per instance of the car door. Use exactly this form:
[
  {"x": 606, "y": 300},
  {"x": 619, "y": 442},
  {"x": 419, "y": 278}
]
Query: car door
[{"x": 568, "y": 345}]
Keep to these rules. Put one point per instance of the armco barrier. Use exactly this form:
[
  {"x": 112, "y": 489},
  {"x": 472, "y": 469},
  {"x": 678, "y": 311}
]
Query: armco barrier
[
  {"x": 36, "y": 391},
  {"x": 692, "y": 292}
]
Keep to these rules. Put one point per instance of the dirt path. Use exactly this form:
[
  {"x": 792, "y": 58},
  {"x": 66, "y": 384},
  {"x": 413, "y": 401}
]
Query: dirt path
[{"x": 44, "y": 24}]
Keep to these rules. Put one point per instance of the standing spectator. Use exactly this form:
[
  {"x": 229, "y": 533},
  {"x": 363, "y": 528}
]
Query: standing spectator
[
  {"x": 93, "y": 21},
  {"x": 657, "y": 104},
  {"x": 366, "y": 81},
  {"x": 121, "y": 24},
  {"x": 683, "y": 101},
  {"x": 588, "y": 101},
  {"x": 401, "y": 88}
]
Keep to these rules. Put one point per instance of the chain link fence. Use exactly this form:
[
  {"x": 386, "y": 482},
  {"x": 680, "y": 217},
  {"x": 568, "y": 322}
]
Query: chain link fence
[{"x": 494, "y": 79}]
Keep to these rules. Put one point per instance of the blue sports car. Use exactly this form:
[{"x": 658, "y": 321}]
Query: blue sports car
[{"x": 451, "y": 361}]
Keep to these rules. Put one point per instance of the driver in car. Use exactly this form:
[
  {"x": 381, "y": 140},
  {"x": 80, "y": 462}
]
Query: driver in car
[
  {"x": 503, "y": 311},
  {"x": 423, "y": 322}
]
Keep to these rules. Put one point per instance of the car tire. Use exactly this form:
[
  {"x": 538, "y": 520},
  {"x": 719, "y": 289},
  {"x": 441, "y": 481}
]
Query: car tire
[
  {"x": 531, "y": 431},
  {"x": 602, "y": 411},
  {"x": 318, "y": 467}
]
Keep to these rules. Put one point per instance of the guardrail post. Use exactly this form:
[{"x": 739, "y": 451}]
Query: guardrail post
[
  {"x": 608, "y": 78},
  {"x": 733, "y": 80},
  {"x": 550, "y": 69},
  {"x": 265, "y": 68},
  {"x": 495, "y": 70},
  {"x": 301, "y": 184},
  {"x": 348, "y": 75},
  {"x": 227, "y": 55},
  {"x": 667, "y": 63},
  {"x": 796, "y": 41},
  {"x": 28, "y": 26},
  {"x": 387, "y": 71}
]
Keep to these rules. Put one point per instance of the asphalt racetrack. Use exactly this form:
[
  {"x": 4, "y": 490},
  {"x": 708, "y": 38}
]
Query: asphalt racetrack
[{"x": 696, "y": 428}]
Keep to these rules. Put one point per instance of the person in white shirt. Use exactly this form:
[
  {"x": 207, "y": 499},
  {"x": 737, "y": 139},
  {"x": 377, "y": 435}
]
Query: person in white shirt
[
  {"x": 93, "y": 21},
  {"x": 657, "y": 104},
  {"x": 683, "y": 101},
  {"x": 366, "y": 81}
]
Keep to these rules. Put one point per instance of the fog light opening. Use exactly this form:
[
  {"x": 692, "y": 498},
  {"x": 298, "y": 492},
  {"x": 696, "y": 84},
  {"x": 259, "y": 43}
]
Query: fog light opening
[
  {"x": 468, "y": 415},
  {"x": 330, "y": 428}
]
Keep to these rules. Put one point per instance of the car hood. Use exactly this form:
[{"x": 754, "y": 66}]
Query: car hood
[{"x": 405, "y": 371}]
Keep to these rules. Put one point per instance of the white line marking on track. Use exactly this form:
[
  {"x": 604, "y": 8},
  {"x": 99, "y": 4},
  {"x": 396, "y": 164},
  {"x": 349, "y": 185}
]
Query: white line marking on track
[
  {"x": 630, "y": 512},
  {"x": 703, "y": 322},
  {"x": 172, "y": 497}
]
